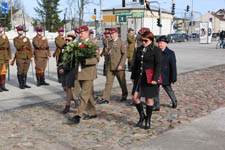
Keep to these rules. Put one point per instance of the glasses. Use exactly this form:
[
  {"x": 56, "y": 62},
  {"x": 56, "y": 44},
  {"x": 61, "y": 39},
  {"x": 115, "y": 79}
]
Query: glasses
[{"x": 145, "y": 41}]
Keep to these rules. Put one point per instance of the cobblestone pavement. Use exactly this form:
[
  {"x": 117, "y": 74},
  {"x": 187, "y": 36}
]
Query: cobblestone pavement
[{"x": 41, "y": 127}]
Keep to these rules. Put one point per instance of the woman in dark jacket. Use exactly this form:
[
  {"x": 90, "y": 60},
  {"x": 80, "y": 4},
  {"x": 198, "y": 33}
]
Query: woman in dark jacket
[
  {"x": 67, "y": 76},
  {"x": 147, "y": 58}
]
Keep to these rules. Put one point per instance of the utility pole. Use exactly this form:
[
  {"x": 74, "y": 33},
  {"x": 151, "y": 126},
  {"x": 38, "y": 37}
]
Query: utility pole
[
  {"x": 192, "y": 13},
  {"x": 100, "y": 2}
]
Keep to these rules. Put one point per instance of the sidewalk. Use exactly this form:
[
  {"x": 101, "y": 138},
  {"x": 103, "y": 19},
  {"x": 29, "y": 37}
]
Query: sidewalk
[{"x": 42, "y": 127}]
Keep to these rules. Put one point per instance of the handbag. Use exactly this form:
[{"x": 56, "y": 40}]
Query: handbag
[{"x": 149, "y": 75}]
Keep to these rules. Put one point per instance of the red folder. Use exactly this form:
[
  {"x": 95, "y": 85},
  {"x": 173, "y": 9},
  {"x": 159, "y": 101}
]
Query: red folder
[{"x": 149, "y": 75}]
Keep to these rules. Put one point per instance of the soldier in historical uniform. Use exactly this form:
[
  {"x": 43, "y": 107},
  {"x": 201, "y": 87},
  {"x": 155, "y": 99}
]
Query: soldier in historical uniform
[
  {"x": 87, "y": 73},
  {"x": 115, "y": 66},
  {"x": 131, "y": 39},
  {"x": 5, "y": 56},
  {"x": 41, "y": 55},
  {"x": 59, "y": 42},
  {"x": 105, "y": 47},
  {"x": 23, "y": 56}
]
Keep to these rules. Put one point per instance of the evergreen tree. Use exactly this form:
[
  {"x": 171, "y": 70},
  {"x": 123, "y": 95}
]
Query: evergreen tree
[
  {"x": 49, "y": 14},
  {"x": 6, "y": 21}
]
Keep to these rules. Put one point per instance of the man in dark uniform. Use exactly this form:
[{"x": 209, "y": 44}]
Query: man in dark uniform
[
  {"x": 42, "y": 54},
  {"x": 59, "y": 42},
  {"x": 5, "y": 56},
  {"x": 115, "y": 66},
  {"x": 23, "y": 56},
  {"x": 104, "y": 51},
  {"x": 168, "y": 72},
  {"x": 87, "y": 73}
]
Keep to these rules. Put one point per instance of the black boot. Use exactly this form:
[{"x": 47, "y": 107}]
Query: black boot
[
  {"x": 141, "y": 114},
  {"x": 148, "y": 117},
  {"x": 43, "y": 79},
  {"x": 66, "y": 109},
  {"x": 1, "y": 89},
  {"x": 38, "y": 79},
  {"x": 20, "y": 80},
  {"x": 3, "y": 83},
  {"x": 25, "y": 81},
  {"x": 129, "y": 67}
]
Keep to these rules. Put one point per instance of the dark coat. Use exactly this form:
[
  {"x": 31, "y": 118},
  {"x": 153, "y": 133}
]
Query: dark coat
[
  {"x": 168, "y": 67},
  {"x": 151, "y": 60}
]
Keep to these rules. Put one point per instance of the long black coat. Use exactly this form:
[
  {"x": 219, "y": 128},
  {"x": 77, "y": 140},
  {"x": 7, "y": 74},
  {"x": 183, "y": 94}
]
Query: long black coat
[
  {"x": 151, "y": 60},
  {"x": 168, "y": 67}
]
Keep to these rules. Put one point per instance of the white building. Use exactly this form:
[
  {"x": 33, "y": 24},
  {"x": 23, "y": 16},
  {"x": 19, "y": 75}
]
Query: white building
[{"x": 135, "y": 16}]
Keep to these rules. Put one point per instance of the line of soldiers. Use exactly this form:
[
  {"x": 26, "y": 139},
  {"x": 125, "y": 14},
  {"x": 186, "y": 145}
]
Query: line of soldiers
[{"x": 24, "y": 57}]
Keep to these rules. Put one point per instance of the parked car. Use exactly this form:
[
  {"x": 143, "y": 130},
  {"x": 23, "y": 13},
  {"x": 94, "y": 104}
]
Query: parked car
[
  {"x": 194, "y": 35},
  {"x": 215, "y": 35},
  {"x": 185, "y": 36},
  {"x": 176, "y": 38}
]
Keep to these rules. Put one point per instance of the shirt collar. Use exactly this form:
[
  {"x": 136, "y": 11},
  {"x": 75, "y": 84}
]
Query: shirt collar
[{"x": 115, "y": 39}]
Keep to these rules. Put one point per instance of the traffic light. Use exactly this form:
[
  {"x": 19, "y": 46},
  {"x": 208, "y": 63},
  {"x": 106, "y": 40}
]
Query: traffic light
[
  {"x": 188, "y": 7},
  {"x": 95, "y": 11},
  {"x": 173, "y": 9},
  {"x": 123, "y": 3},
  {"x": 141, "y": 2},
  {"x": 113, "y": 11},
  {"x": 159, "y": 23}
]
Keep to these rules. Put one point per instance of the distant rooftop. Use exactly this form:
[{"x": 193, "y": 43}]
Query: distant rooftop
[{"x": 133, "y": 5}]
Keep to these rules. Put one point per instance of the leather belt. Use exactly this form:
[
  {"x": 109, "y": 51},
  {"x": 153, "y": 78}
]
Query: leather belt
[
  {"x": 4, "y": 48},
  {"x": 42, "y": 48},
  {"x": 24, "y": 49}
]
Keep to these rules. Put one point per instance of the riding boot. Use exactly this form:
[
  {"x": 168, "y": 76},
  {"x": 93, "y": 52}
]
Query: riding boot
[
  {"x": 38, "y": 79},
  {"x": 129, "y": 67},
  {"x": 43, "y": 79},
  {"x": 20, "y": 80},
  {"x": 66, "y": 109},
  {"x": 3, "y": 83},
  {"x": 148, "y": 117},
  {"x": 25, "y": 81},
  {"x": 141, "y": 114}
]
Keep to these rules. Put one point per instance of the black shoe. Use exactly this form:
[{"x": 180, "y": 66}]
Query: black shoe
[
  {"x": 87, "y": 117},
  {"x": 102, "y": 101},
  {"x": 25, "y": 82},
  {"x": 66, "y": 109},
  {"x": 4, "y": 88},
  {"x": 38, "y": 83},
  {"x": 26, "y": 86},
  {"x": 75, "y": 119},
  {"x": 174, "y": 105},
  {"x": 1, "y": 89},
  {"x": 123, "y": 99},
  {"x": 44, "y": 83}
]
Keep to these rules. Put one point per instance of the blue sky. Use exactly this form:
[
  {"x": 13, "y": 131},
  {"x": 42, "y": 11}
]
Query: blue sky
[{"x": 202, "y": 6}]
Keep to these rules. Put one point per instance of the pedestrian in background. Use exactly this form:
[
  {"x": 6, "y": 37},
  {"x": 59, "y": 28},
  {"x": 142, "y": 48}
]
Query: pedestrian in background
[
  {"x": 131, "y": 39},
  {"x": 59, "y": 42},
  {"x": 41, "y": 56},
  {"x": 5, "y": 56},
  {"x": 168, "y": 72},
  {"x": 104, "y": 51},
  {"x": 23, "y": 56},
  {"x": 67, "y": 75},
  {"x": 147, "y": 58},
  {"x": 115, "y": 66}
]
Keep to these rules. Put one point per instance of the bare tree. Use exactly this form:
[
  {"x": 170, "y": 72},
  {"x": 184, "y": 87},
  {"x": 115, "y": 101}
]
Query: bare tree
[
  {"x": 79, "y": 6},
  {"x": 16, "y": 4}
]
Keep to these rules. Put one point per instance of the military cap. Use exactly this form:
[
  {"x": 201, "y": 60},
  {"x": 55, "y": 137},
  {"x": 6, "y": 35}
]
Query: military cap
[
  {"x": 60, "y": 30},
  {"x": 83, "y": 28},
  {"x": 113, "y": 30},
  {"x": 77, "y": 30},
  {"x": 142, "y": 30},
  {"x": 91, "y": 32},
  {"x": 19, "y": 28},
  {"x": 163, "y": 38},
  {"x": 39, "y": 29},
  {"x": 106, "y": 32}
]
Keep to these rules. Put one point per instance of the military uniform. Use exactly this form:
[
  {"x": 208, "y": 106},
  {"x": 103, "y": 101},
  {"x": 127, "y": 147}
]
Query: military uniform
[
  {"x": 23, "y": 58},
  {"x": 5, "y": 56},
  {"x": 59, "y": 42},
  {"x": 117, "y": 54},
  {"x": 41, "y": 53},
  {"x": 131, "y": 39},
  {"x": 104, "y": 53}
]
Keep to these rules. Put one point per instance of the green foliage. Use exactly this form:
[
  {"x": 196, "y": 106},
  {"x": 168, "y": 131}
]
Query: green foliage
[
  {"x": 48, "y": 13},
  {"x": 77, "y": 52},
  {"x": 6, "y": 21}
]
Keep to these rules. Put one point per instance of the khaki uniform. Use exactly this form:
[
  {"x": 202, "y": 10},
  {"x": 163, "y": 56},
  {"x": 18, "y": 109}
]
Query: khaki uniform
[
  {"x": 5, "y": 56},
  {"x": 59, "y": 42},
  {"x": 41, "y": 54},
  {"x": 86, "y": 76},
  {"x": 131, "y": 39},
  {"x": 23, "y": 54},
  {"x": 117, "y": 54}
]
